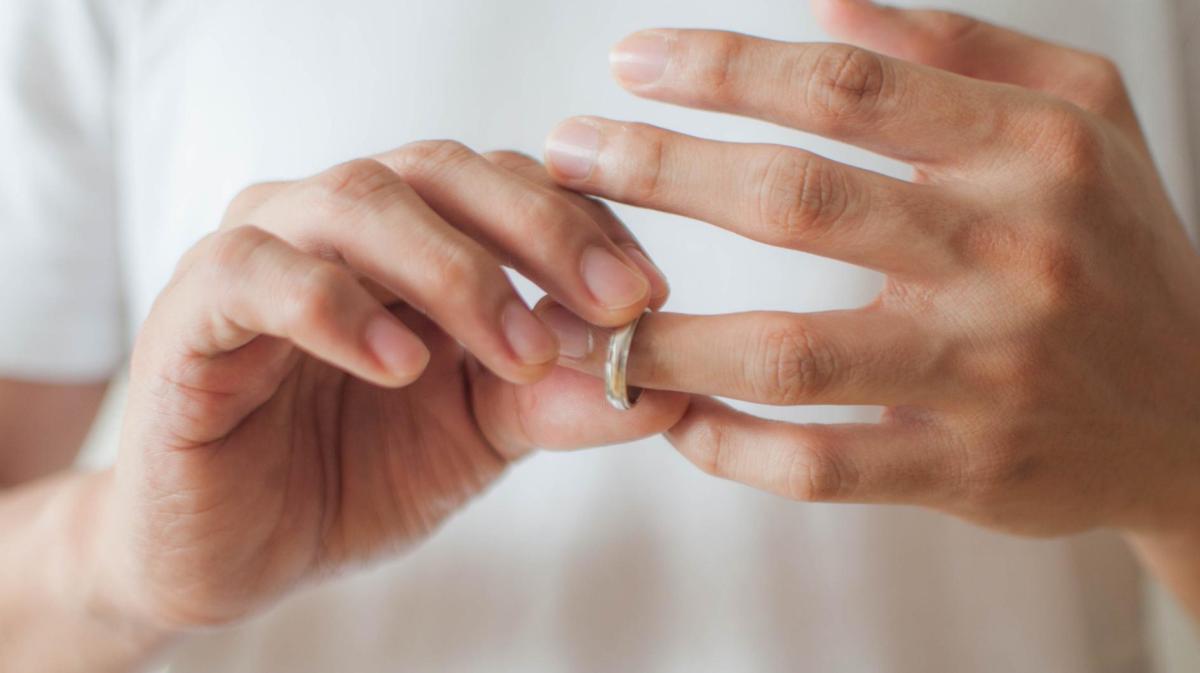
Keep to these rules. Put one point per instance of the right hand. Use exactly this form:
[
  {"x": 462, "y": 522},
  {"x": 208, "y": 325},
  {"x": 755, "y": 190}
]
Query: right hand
[{"x": 330, "y": 375}]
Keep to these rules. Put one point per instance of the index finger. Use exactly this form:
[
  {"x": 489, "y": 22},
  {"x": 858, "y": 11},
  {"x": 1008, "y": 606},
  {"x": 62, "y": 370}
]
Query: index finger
[{"x": 893, "y": 107}]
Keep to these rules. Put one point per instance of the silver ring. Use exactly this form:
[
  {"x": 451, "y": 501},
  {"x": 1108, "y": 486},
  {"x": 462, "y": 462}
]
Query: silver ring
[{"x": 615, "y": 365}]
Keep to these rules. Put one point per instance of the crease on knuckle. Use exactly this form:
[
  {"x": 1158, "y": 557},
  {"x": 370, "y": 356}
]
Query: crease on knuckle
[
  {"x": 814, "y": 474},
  {"x": 944, "y": 36},
  {"x": 709, "y": 448},
  {"x": 511, "y": 159},
  {"x": 800, "y": 197},
  {"x": 543, "y": 225},
  {"x": 646, "y": 182},
  {"x": 717, "y": 75},
  {"x": 993, "y": 475},
  {"x": 355, "y": 185},
  {"x": 314, "y": 298},
  {"x": 459, "y": 273},
  {"x": 222, "y": 261},
  {"x": 229, "y": 252},
  {"x": 844, "y": 86},
  {"x": 425, "y": 159},
  {"x": 794, "y": 366}
]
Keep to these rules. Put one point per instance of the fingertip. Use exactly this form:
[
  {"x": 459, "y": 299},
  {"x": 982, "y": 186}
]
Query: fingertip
[
  {"x": 401, "y": 354},
  {"x": 619, "y": 289},
  {"x": 529, "y": 339},
  {"x": 660, "y": 288},
  {"x": 571, "y": 149},
  {"x": 839, "y": 17},
  {"x": 640, "y": 59},
  {"x": 576, "y": 340}
]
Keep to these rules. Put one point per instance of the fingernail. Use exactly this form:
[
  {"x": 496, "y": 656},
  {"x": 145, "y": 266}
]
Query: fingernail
[
  {"x": 571, "y": 149},
  {"x": 397, "y": 350},
  {"x": 531, "y": 341},
  {"x": 574, "y": 335},
  {"x": 640, "y": 58},
  {"x": 659, "y": 287},
  {"x": 613, "y": 283}
]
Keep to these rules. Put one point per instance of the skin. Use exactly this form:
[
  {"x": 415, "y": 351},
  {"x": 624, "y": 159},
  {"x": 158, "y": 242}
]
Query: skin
[
  {"x": 292, "y": 414},
  {"x": 1036, "y": 346},
  {"x": 288, "y": 351}
]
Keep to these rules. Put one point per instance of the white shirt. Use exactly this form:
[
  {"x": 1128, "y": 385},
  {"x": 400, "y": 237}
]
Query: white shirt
[{"x": 128, "y": 125}]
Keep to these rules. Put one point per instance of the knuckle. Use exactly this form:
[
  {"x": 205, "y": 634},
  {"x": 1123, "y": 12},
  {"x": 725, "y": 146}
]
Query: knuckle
[
  {"x": 800, "y": 197},
  {"x": 717, "y": 70},
  {"x": 315, "y": 296},
  {"x": 510, "y": 159},
  {"x": 1101, "y": 75},
  {"x": 1058, "y": 273},
  {"x": 794, "y": 366},
  {"x": 648, "y": 146},
  {"x": 229, "y": 251},
  {"x": 355, "y": 184},
  {"x": 814, "y": 474},
  {"x": 845, "y": 84},
  {"x": 543, "y": 224},
  {"x": 994, "y": 473},
  {"x": 942, "y": 31},
  {"x": 431, "y": 157},
  {"x": 248, "y": 200},
  {"x": 461, "y": 271},
  {"x": 943, "y": 39},
  {"x": 1069, "y": 145},
  {"x": 709, "y": 448}
]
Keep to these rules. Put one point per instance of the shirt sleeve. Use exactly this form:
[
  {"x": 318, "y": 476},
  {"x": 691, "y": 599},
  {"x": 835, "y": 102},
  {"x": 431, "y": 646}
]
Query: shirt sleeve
[
  {"x": 1188, "y": 15},
  {"x": 60, "y": 290}
]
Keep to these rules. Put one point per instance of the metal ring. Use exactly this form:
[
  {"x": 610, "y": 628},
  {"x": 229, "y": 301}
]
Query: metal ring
[{"x": 615, "y": 365}]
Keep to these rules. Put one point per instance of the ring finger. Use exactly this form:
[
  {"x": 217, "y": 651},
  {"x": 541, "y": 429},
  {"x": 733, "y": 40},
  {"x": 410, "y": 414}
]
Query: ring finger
[{"x": 863, "y": 356}]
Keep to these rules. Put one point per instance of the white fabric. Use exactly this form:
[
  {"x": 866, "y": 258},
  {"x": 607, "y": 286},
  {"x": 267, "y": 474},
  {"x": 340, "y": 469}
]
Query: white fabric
[
  {"x": 617, "y": 559},
  {"x": 59, "y": 292}
]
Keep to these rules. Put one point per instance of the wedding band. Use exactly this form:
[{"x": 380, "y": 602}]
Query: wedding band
[{"x": 615, "y": 365}]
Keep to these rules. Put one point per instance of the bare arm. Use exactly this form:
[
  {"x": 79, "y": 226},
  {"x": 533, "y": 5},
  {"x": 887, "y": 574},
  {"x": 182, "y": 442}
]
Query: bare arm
[
  {"x": 42, "y": 426},
  {"x": 50, "y": 583},
  {"x": 59, "y": 612}
]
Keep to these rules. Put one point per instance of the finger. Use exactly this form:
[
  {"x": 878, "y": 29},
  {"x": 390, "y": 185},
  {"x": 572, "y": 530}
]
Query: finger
[
  {"x": 531, "y": 169},
  {"x": 865, "y": 356},
  {"x": 863, "y": 463},
  {"x": 244, "y": 282},
  {"x": 565, "y": 410},
  {"x": 537, "y": 230},
  {"x": 778, "y": 195},
  {"x": 241, "y": 208},
  {"x": 911, "y": 112},
  {"x": 362, "y": 213},
  {"x": 975, "y": 48}
]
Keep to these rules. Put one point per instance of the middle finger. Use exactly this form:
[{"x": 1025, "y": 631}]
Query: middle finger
[{"x": 774, "y": 194}]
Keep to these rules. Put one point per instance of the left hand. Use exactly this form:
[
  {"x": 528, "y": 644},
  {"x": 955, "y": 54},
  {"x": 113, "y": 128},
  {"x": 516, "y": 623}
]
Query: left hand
[{"x": 1037, "y": 343}]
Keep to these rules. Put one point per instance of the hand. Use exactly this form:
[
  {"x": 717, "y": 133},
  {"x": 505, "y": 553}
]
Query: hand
[
  {"x": 299, "y": 400},
  {"x": 1037, "y": 343}
]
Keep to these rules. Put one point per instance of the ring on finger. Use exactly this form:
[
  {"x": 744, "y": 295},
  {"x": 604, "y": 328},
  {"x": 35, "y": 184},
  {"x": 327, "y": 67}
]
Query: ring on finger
[{"x": 616, "y": 364}]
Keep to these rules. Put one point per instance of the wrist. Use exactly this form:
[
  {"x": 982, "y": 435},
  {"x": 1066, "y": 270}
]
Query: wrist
[{"x": 106, "y": 594}]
